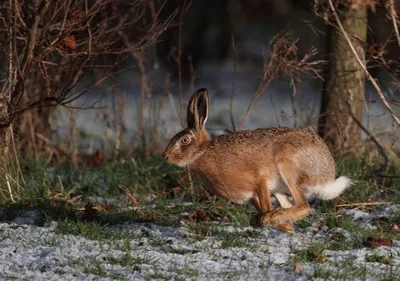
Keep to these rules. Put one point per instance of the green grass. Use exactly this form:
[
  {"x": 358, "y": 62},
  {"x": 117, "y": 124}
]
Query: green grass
[
  {"x": 144, "y": 177},
  {"x": 348, "y": 271},
  {"x": 91, "y": 230},
  {"x": 312, "y": 254},
  {"x": 367, "y": 183},
  {"x": 375, "y": 257}
]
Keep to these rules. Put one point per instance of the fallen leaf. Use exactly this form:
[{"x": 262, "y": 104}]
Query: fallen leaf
[
  {"x": 15, "y": 226},
  {"x": 96, "y": 159},
  {"x": 199, "y": 215},
  {"x": 101, "y": 208},
  {"x": 378, "y": 242},
  {"x": 335, "y": 236},
  {"x": 321, "y": 258},
  {"x": 396, "y": 228}
]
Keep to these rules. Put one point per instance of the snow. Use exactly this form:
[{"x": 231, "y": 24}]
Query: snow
[{"x": 31, "y": 252}]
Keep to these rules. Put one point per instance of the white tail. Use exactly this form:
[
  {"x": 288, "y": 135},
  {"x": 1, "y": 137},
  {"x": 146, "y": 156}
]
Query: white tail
[{"x": 330, "y": 190}]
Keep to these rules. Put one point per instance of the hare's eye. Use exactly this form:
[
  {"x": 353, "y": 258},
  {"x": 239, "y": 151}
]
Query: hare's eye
[{"x": 185, "y": 140}]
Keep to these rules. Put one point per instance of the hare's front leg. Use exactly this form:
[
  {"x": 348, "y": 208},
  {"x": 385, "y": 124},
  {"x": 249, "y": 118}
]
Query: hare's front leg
[{"x": 291, "y": 214}]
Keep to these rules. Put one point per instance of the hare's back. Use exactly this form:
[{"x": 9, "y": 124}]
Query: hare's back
[
  {"x": 307, "y": 154},
  {"x": 279, "y": 136},
  {"x": 304, "y": 149}
]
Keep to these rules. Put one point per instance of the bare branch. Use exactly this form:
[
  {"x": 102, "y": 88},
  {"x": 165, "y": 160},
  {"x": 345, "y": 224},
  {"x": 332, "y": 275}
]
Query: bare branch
[
  {"x": 58, "y": 45},
  {"x": 233, "y": 83},
  {"x": 281, "y": 61},
  {"x": 393, "y": 16}
]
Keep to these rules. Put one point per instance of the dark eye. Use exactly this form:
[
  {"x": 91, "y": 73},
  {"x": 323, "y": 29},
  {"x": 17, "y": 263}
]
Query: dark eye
[{"x": 185, "y": 140}]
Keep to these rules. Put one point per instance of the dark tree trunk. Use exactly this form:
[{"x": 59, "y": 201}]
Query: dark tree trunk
[{"x": 345, "y": 84}]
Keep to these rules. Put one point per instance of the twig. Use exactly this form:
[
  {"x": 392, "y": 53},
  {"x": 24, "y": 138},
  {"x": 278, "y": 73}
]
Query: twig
[
  {"x": 372, "y": 137},
  {"x": 393, "y": 15},
  {"x": 376, "y": 86},
  {"x": 9, "y": 189},
  {"x": 180, "y": 65},
  {"x": 233, "y": 83},
  {"x": 15, "y": 154},
  {"x": 61, "y": 184},
  {"x": 363, "y": 204}
]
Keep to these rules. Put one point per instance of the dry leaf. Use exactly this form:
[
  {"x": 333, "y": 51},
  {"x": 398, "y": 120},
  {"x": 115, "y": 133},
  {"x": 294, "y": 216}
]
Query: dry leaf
[
  {"x": 96, "y": 159},
  {"x": 336, "y": 236},
  {"x": 69, "y": 43},
  {"x": 15, "y": 226},
  {"x": 396, "y": 228},
  {"x": 321, "y": 258},
  {"x": 378, "y": 242},
  {"x": 199, "y": 215},
  {"x": 101, "y": 209}
]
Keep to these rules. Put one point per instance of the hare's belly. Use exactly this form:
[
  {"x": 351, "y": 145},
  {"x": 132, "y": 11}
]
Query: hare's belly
[{"x": 237, "y": 196}]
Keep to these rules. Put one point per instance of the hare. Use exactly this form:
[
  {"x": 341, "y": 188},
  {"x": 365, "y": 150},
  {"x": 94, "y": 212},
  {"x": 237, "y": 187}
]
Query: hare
[{"x": 255, "y": 164}]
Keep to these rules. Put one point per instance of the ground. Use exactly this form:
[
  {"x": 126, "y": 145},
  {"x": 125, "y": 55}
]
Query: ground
[{"x": 145, "y": 221}]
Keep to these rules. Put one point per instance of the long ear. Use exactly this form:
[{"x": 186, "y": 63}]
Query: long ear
[{"x": 197, "y": 112}]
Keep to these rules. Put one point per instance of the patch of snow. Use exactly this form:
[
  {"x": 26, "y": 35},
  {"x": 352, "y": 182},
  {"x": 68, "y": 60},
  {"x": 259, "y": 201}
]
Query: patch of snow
[
  {"x": 29, "y": 252},
  {"x": 358, "y": 215}
]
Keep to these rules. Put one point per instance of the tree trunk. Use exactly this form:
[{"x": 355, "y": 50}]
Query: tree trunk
[{"x": 345, "y": 84}]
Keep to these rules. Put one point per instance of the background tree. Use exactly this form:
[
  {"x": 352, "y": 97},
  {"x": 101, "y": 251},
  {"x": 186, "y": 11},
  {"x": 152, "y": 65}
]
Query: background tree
[
  {"x": 344, "y": 89},
  {"x": 345, "y": 80}
]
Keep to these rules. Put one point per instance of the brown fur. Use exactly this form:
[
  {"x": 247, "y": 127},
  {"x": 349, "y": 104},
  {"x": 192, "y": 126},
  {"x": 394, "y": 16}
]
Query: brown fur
[{"x": 253, "y": 164}]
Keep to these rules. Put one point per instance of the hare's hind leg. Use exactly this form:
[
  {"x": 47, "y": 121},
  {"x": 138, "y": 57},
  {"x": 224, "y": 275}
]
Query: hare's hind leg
[
  {"x": 263, "y": 204},
  {"x": 301, "y": 207}
]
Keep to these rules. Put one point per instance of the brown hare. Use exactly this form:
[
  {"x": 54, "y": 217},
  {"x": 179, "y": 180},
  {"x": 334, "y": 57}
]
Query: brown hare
[{"x": 253, "y": 165}]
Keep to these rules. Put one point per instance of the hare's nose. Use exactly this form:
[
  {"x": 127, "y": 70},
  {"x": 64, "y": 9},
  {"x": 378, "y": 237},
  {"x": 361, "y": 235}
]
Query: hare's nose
[{"x": 166, "y": 158}]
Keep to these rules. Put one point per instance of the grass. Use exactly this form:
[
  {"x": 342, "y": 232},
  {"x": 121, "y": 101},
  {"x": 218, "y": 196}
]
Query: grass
[
  {"x": 152, "y": 182},
  {"x": 144, "y": 177},
  {"x": 348, "y": 271},
  {"x": 375, "y": 257},
  {"x": 312, "y": 254},
  {"x": 367, "y": 184},
  {"x": 91, "y": 230}
]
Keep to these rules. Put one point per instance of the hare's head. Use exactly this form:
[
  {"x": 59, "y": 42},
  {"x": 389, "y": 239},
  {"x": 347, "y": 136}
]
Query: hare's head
[{"x": 189, "y": 144}]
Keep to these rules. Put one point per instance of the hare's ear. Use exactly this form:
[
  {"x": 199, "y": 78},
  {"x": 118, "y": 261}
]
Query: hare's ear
[{"x": 197, "y": 112}]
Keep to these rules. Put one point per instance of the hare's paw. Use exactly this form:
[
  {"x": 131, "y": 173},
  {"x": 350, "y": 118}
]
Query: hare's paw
[
  {"x": 285, "y": 227},
  {"x": 278, "y": 219},
  {"x": 274, "y": 217},
  {"x": 270, "y": 220}
]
